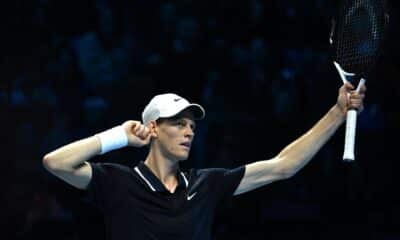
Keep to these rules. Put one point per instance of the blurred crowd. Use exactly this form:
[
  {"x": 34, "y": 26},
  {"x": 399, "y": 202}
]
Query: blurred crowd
[{"x": 261, "y": 69}]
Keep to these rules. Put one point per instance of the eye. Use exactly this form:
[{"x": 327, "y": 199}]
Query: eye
[{"x": 180, "y": 123}]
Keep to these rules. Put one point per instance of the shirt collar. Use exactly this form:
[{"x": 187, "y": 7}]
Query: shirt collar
[{"x": 152, "y": 180}]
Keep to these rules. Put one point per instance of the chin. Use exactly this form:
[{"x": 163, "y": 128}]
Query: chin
[
  {"x": 182, "y": 157},
  {"x": 179, "y": 155}
]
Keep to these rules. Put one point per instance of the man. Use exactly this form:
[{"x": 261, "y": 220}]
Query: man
[{"x": 155, "y": 199}]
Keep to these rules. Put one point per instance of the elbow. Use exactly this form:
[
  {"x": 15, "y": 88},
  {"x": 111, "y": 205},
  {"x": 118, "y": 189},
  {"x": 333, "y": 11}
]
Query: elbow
[{"x": 49, "y": 163}]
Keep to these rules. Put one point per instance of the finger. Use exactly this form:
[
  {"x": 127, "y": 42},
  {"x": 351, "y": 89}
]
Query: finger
[
  {"x": 363, "y": 88},
  {"x": 137, "y": 130},
  {"x": 143, "y": 133},
  {"x": 356, "y": 98},
  {"x": 135, "y": 127},
  {"x": 146, "y": 131},
  {"x": 140, "y": 131},
  {"x": 147, "y": 138},
  {"x": 355, "y": 103},
  {"x": 355, "y": 95}
]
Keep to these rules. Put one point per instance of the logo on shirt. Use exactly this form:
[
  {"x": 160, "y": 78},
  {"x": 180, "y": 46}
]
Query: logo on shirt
[{"x": 189, "y": 197}]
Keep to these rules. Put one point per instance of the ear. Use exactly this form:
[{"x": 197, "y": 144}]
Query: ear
[{"x": 153, "y": 128}]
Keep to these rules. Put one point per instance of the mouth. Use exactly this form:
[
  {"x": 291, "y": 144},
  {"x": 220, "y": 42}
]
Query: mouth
[{"x": 186, "y": 144}]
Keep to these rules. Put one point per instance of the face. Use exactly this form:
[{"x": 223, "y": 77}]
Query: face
[{"x": 174, "y": 136}]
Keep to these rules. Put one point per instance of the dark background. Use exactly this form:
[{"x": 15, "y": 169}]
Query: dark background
[{"x": 262, "y": 71}]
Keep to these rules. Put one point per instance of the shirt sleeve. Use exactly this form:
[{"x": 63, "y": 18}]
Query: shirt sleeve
[
  {"x": 104, "y": 189},
  {"x": 223, "y": 182}
]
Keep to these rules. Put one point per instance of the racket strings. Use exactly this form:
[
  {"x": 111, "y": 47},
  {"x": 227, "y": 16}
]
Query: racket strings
[{"x": 359, "y": 35}]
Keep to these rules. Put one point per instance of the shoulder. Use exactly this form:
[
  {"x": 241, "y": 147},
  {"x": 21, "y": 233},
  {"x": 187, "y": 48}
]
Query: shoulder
[
  {"x": 110, "y": 169},
  {"x": 110, "y": 166},
  {"x": 218, "y": 183}
]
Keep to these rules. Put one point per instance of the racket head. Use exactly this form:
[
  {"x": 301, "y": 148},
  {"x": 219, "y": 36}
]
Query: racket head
[{"x": 357, "y": 35}]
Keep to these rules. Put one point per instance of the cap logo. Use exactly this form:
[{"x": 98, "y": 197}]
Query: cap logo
[{"x": 177, "y": 99}]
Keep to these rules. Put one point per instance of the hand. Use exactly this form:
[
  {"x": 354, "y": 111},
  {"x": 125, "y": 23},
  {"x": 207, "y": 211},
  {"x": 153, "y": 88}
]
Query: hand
[
  {"x": 351, "y": 99},
  {"x": 138, "y": 134}
]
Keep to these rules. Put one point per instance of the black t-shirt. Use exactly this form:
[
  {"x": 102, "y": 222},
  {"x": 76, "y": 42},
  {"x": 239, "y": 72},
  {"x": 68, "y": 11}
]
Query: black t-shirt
[{"x": 136, "y": 205}]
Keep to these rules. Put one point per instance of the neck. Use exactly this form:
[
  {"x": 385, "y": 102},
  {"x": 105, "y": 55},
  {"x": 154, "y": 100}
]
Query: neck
[{"x": 163, "y": 168}]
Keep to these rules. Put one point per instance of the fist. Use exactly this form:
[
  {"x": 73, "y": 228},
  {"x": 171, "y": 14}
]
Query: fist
[
  {"x": 138, "y": 134},
  {"x": 350, "y": 99}
]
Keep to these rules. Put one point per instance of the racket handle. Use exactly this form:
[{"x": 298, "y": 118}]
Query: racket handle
[{"x": 350, "y": 135}]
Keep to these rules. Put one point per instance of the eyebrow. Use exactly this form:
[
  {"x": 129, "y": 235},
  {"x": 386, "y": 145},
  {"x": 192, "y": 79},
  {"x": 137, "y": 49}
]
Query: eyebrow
[{"x": 188, "y": 120}]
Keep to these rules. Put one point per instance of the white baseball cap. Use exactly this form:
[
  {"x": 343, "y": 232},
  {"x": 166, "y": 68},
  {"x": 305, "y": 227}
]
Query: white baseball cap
[{"x": 168, "y": 105}]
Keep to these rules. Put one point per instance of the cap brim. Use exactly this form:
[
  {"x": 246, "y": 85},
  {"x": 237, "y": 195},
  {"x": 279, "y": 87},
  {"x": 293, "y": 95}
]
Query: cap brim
[{"x": 196, "y": 109}]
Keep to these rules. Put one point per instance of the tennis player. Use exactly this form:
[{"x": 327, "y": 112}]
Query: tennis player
[{"x": 155, "y": 199}]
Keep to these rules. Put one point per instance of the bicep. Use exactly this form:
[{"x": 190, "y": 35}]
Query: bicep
[
  {"x": 260, "y": 173},
  {"x": 79, "y": 177}
]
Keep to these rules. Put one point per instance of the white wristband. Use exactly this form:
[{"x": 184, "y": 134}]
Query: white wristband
[{"x": 112, "y": 139}]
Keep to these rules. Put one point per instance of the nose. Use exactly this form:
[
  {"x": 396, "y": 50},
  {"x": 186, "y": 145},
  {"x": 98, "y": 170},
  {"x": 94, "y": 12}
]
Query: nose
[{"x": 189, "y": 132}]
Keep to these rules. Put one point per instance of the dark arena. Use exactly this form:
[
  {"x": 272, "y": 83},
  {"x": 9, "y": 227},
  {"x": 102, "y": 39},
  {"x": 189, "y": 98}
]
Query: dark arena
[{"x": 200, "y": 120}]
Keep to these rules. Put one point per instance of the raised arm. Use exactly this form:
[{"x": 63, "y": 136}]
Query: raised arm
[
  {"x": 69, "y": 162},
  {"x": 297, "y": 154}
]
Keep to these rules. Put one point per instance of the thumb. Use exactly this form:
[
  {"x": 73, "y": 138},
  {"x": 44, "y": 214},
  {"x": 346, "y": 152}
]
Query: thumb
[
  {"x": 146, "y": 138},
  {"x": 348, "y": 86}
]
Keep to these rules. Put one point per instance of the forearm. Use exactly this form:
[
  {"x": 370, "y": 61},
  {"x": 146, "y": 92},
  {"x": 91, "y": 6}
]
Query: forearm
[
  {"x": 301, "y": 151},
  {"x": 73, "y": 155}
]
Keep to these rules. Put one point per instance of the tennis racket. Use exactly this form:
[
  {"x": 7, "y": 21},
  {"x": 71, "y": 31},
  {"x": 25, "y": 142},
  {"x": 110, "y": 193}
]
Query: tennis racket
[{"x": 356, "y": 39}]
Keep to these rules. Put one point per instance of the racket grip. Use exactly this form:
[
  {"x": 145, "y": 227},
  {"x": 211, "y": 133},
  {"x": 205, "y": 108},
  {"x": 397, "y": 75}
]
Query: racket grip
[{"x": 350, "y": 135}]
